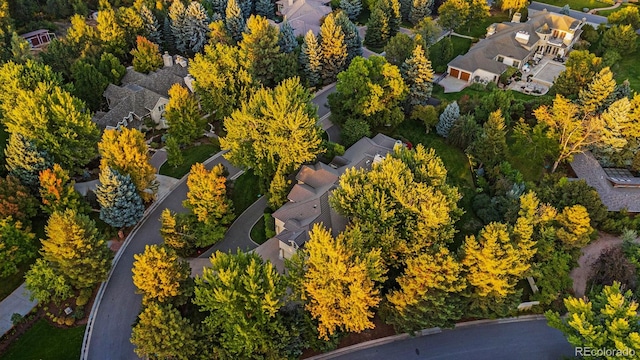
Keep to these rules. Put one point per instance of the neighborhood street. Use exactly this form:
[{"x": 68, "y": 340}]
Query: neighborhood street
[{"x": 529, "y": 340}]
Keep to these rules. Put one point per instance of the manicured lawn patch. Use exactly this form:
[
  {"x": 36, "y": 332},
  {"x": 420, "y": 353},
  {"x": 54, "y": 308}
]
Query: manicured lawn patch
[
  {"x": 258, "y": 234},
  {"x": 628, "y": 69},
  {"x": 438, "y": 92},
  {"x": 460, "y": 46},
  {"x": 578, "y": 4},
  {"x": 479, "y": 29},
  {"x": 44, "y": 341},
  {"x": 192, "y": 155},
  {"x": 609, "y": 12},
  {"x": 245, "y": 191}
]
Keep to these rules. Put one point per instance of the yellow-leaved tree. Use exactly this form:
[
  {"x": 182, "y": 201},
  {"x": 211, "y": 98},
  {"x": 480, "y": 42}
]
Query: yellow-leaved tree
[
  {"x": 339, "y": 283},
  {"x": 161, "y": 276},
  {"x": 125, "y": 151},
  {"x": 575, "y": 230}
]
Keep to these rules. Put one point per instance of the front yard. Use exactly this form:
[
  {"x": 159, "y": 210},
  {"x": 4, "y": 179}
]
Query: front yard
[
  {"x": 578, "y": 4},
  {"x": 44, "y": 341},
  {"x": 192, "y": 155}
]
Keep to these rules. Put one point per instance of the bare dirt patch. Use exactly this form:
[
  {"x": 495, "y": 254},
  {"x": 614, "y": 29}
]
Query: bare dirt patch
[{"x": 588, "y": 257}]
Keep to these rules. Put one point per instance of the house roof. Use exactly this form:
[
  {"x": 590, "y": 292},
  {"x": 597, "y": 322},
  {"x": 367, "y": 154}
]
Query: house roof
[
  {"x": 304, "y": 15},
  {"x": 504, "y": 42},
  {"x": 309, "y": 199}
]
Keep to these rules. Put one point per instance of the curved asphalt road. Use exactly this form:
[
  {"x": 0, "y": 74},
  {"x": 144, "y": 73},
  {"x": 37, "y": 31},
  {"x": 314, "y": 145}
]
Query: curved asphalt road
[
  {"x": 529, "y": 340},
  {"x": 120, "y": 305}
]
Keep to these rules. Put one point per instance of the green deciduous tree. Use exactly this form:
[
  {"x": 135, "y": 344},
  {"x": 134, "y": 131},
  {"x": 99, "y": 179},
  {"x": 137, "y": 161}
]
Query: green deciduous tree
[
  {"x": 621, "y": 38},
  {"x": 399, "y": 49},
  {"x": 512, "y": 5},
  {"x": 222, "y": 81},
  {"x": 24, "y": 161},
  {"x": 146, "y": 56},
  {"x": 608, "y": 321},
  {"x": 57, "y": 191},
  {"x": 76, "y": 249},
  {"x": 428, "y": 29},
  {"x": 161, "y": 276},
  {"x": 183, "y": 116},
  {"x": 176, "y": 232},
  {"x": 334, "y": 49},
  {"x": 242, "y": 296},
  {"x": 581, "y": 68},
  {"x": 371, "y": 90},
  {"x": 339, "y": 284},
  {"x": 126, "y": 152},
  {"x": 120, "y": 204},
  {"x": 428, "y": 293},
  {"x": 274, "y": 131},
  {"x": 453, "y": 14},
  {"x": 46, "y": 283},
  {"x": 89, "y": 84},
  {"x": 16, "y": 245},
  {"x": 162, "y": 333},
  {"x": 628, "y": 15}
]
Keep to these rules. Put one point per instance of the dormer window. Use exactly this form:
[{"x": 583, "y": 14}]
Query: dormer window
[{"x": 500, "y": 58}]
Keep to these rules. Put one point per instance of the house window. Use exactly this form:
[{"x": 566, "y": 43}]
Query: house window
[
  {"x": 500, "y": 58},
  {"x": 516, "y": 63},
  {"x": 161, "y": 108}
]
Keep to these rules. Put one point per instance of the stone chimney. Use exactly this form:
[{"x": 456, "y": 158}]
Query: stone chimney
[
  {"x": 167, "y": 59},
  {"x": 516, "y": 17}
]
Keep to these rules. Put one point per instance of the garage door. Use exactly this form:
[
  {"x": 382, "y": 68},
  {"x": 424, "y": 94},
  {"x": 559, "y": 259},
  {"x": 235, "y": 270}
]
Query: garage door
[
  {"x": 464, "y": 76},
  {"x": 455, "y": 73}
]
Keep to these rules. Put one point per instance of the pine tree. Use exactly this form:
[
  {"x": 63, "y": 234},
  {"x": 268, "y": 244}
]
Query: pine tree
[
  {"x": 76, "y": 249},
  {"x": 351, "y": 36},
  {"x": 594, "y": 98},
  {"x": 178, "y": 26},
  {"x": 196, "y": 28},
  {"x": 391, "y": 8},
  {"x": 151, "y": 25},
  {"x": 287, "y": 40},
  {"x": 352, "y": 8},
  {"x": 24, "y": 161},
  {"x": 111, "y": 68},
  {"x": 167, "y": 35},
  {"x": 162, "y": 333},
  {"x": 448, "y": 117},
  {"x": 161, "y": 276},
  {"x": 405, "y": 9},
  {"x": 125, "y": 151},
  {"x": 233, "y": 284},
  {"x": 57, "y": 191},
  {"x": 131, "y": 23},
  {"x": 146, "y": 56},
  {"x": 260, "y": 47},
  {"x": 428, "y": 293},
  {"x": 419, "y": 10},
  {"x": 234, "y": 20},
  {"x": 120, "y": 204},
  {"x": 490, "y": 148},
  {"x": 216, "y": 7},
  {"x": 334, "y": 49},
  {"x": 183, "y": 116},
  {"x": 311, "y": 59},
  {"x": 267, "y": 9},
  {"x": 378, "y": 32},
  {"x": 339, "y": 282},
  {"x": 418, "y": 75},
  {"x": 17, "y": 246}
]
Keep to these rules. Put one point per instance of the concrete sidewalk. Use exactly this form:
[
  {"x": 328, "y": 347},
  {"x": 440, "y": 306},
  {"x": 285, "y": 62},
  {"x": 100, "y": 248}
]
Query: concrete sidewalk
[{"x": 17, "y": 302}]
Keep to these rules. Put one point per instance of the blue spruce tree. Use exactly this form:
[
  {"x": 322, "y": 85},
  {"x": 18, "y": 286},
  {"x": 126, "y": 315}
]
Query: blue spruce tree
[
  {"x": 265, "y": 8},
  {"x": 196, "y": 27},
  {"x": 287, "y": 40},
  {"x": 24, "y": 161},
  {"x": 352, "y": 8},
  {"x": 234, "y": 20},
  {"x": 351, "y": 36},
  {"x": 151, "y": 26},
  {"x": 448, "y": 117},
  {"x": 247, "y": 7},
  {"x": 120, "y": 204}
]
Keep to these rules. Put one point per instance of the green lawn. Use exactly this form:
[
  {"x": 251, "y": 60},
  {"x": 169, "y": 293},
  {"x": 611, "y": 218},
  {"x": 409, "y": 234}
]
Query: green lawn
[
  {"x": 578, "y": 4},
  {"x": 438, "y": 92},
  {"x": 246, "y": 190},
  {"x": 609, "y": 12},
  {"x": 46, "y": 342},
  {"x": 628, "y": 68},
  {"x": 191, "y": 156},
  {"x": 479, "y": 29},
  {"x": 460, "y": 46},
  {"x": 258, "y": 234}
]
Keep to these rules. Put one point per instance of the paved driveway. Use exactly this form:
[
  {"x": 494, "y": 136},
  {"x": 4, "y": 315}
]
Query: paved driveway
[{"x": 120, "y": 306}]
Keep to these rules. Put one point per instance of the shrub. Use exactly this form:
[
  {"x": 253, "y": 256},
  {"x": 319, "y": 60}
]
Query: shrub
[
  {"x": 269, "y": 226},
  {"x": 16, "y": 319},
  {"x": 69, "y": 321},
  {"x": 83, "y": 297}
]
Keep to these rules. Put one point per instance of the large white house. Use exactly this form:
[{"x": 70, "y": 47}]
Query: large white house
[{"x": 514, "y": 43}]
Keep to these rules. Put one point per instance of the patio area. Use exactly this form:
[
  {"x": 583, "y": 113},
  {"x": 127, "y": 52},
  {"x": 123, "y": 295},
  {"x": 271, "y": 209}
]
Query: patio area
[{"x": 537, "y": 78}]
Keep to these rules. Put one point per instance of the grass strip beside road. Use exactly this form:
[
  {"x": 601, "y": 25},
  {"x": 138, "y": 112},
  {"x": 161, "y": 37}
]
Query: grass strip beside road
[
  {"x": 192, "y": 155},
  {"x": 45, "y": 341}
]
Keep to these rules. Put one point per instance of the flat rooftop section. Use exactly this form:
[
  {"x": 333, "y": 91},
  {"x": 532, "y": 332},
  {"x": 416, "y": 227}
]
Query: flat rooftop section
[
  {"x": 549, "y": 72},
  {"x": 622, "y": 178}
]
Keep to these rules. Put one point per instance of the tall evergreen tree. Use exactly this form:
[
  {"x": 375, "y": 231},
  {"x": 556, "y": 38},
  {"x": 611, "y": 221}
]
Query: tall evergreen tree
[
  {"x": 490, "y": 148},
  {"x": 352, "y": 8},
  {"x": 311, "y": 59},
  {"x": 234, "y": 20},
  {"x": 378, "y": 32},
  {"x": 24, "y": 161},
  {"x": 266, "y": 8},
  {"x": 169, "y": 40},
  {"x": 405, "y": 9},
  {"x": 287, "y": 40},
  {"x": 391, "y": 8},
  {"x": 418, "y": 75},
  {"x": 120, "y": 204},
  {"x": 260, "y": 47},
  {"x": 178, "y": 25},
  {"x": 351, "y": 36},
  {"x": 334, "y": 49},
  {"x": 447, "y": 119},
  {"x": 131, "y": 23},
  {"x": 75, "y": 249},
  {"x": 151, "y": 25},
  {"x": 17, "y": 246},
  {"x": 89, "y": 84},
  {"x": 111, "y": 68},
  {"x": 419, "y": 10},
  {"x": 196, "y": 27},
  {"x": 216, "y": 7}
]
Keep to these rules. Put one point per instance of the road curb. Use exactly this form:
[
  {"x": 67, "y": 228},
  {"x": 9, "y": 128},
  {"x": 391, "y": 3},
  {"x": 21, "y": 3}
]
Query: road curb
[
  {"x": 323, "y": 90},
  {"x": 86, "y": 342},
  {"x": 425, "y": 332}
]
